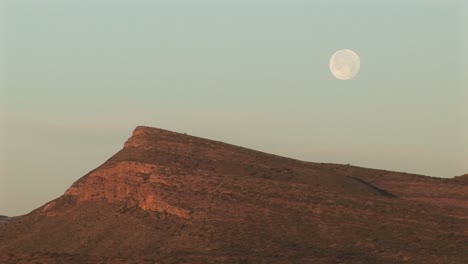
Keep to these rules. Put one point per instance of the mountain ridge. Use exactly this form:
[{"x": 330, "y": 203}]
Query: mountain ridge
[
  {"x": 150, "y": 170},
  {"x": 168, "y": 197}
]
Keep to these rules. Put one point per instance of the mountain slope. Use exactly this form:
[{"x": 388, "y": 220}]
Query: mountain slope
[
  {"x": 170, "y": 197},
  {"x": 437, "y": 191}
]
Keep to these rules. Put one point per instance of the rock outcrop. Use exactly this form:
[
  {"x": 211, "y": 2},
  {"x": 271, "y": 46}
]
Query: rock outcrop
[{"x": 133, "y": 184}]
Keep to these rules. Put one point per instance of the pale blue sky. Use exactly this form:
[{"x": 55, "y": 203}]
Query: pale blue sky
[{"x": 77, "y": 76}]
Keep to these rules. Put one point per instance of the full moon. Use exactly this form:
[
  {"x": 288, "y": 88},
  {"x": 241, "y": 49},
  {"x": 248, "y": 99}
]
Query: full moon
[{"x": 345, "y": 64}]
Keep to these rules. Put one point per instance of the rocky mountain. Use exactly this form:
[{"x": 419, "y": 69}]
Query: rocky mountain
[{"x": 173, "y": 198}]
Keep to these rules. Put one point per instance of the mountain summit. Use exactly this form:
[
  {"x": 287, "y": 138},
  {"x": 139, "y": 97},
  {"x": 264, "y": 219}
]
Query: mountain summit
[
  {"x": 168, "y": 197},
  {"x": 155, "y": 163}
]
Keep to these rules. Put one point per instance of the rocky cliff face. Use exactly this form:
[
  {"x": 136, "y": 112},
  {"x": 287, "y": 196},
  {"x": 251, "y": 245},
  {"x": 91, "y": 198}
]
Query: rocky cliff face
[{"x": 133, "y": 184}]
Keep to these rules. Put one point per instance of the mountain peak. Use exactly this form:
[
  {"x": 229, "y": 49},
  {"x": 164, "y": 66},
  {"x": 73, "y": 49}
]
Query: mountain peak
[
  {"x": 147, "y": 136},
  {"x": 147, "y": 130},
  {"x": 155, "y": 162},
  {"x": 139, "y": 134}
]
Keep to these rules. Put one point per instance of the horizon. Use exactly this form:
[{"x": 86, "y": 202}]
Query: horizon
[{"x": 76, "y": 78}]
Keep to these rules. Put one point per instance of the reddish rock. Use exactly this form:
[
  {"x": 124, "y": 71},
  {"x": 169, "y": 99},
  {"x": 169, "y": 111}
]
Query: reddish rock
[
  {"x": 173, "y": 198},
  {"x": 133, "y": 184}
]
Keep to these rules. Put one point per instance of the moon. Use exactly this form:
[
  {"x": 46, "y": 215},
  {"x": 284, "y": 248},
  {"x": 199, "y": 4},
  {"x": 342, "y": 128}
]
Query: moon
[{"x": 345, "y": 64}]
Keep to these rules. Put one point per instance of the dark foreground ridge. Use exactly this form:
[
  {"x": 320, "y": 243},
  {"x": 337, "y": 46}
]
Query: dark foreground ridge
[{"x": 168, "y": 197}]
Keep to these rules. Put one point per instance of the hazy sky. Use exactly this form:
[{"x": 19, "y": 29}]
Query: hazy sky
[{"x": 76, "y": 77}]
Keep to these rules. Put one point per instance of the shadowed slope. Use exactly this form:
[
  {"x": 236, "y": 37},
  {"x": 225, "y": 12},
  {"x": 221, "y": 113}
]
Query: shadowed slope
[
  {"x": 381, "y": 191},
  {"x": 437, "y": 191}
]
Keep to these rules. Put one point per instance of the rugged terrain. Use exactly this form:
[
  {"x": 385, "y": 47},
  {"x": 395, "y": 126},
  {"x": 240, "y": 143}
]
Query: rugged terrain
[{"x": 173, "y": 198}]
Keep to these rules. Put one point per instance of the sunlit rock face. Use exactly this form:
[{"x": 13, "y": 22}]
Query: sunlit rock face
[{"x": 132, "y": 184}]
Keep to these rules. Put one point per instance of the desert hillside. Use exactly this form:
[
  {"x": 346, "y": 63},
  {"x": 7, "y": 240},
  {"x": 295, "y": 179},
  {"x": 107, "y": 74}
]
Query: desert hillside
[{"x": 167, "y": 197}]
